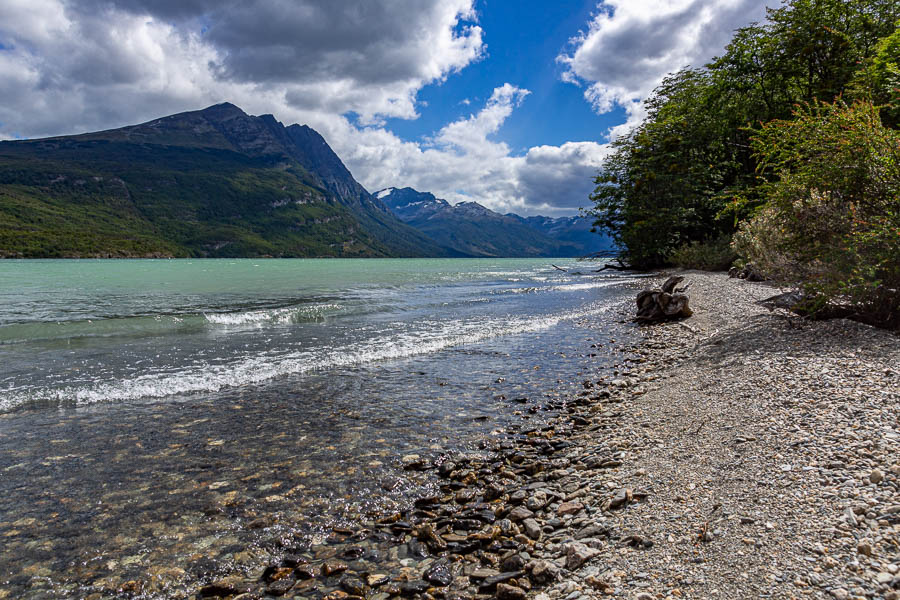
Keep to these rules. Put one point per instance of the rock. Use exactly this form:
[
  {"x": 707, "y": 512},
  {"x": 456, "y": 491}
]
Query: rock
[
  {"x": 532, "y": 529},
  {"x": 376, "y": 579},
  {"x": 429, "y": 536},
  {"x": 544, "y": 572},
  {"x": 512, "y": 563},
  {"x": 577, "y": 554},
  {"x": 333, "y": 567},
  {"x": 439, "y": 574},
  {"x": 537, "y": 501},
  {"x": 305, "y": 572},
  {"x": 416, "y": 586},
  {"x": 412, "y": 462},
  {"x": 280, "y": 587},
  {"x": 645, "y": 596},
  {"x": 490, "y": 582},
  {"x": 519, "y": 513},
  {"x": 479, "y": 574},
  {"x": 864, "y": 547},
  {"x": 510, "y": 592},
  {"x": 569, "y": 508},
  {"x": 840, "y": 594},
  {"x": 620, "y": 499},
  {"x": 876, "y": 476},
  {"x": 353, "y": 585}
]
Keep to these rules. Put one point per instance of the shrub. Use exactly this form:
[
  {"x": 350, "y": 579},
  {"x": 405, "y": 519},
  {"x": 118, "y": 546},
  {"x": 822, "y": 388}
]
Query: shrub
[
  {"x": 832, "y": 216},
  {"x": 711, "y": 255}
]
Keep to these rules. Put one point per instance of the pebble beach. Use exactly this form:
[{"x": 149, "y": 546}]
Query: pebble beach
[{"x": 741, "y": 453}]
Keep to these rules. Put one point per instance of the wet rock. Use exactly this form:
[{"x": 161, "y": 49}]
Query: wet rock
[
  {"x": 413, "y": 462},
  {"x": 493, "y": 492},
  {"x": 411, "y": 588},
  {"x": 577, "y": 554},
  {"x": 510, "y": 592},
  {"x": 333, "y": 567},
  {"x": 228, "y": 586},
  {"x": 280, "y": 587},
  {"x": 352, "y": 585},
  {"x": 465, "y": 495},
  {"x": 305, "y": 572},
  {"x": 439, "y": 574},
  {"x": 292, "y": 560}
]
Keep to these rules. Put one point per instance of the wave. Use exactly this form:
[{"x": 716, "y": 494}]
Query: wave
[
  {"x": 261, "y": 368},
  {"x": 280, "y": 316},
  {"x": 569, "y": 287}
]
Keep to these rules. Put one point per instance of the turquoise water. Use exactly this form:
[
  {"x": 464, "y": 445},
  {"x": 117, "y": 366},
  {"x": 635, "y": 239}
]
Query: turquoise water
[
  {"x": 157, "y": 411},
  {"x": 80, "y": 332}
]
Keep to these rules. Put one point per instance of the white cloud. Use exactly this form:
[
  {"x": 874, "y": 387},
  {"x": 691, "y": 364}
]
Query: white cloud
[
  {"x": 630, "y": 45},
  {"x": 68, "y": 66},
  {"x": 463, "y": 163}
]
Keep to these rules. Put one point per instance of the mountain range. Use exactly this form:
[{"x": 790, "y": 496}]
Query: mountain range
[
  {"x": 474, "y": 230},
  {"x": 221, "y": 183}
]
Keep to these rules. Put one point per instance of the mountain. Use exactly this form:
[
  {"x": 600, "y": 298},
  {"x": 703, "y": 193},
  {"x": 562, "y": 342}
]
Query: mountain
[
  {"x": 471, "y": 229},
  {"x": 576, "y": 230},
  {"x": 213, "y": 182}
]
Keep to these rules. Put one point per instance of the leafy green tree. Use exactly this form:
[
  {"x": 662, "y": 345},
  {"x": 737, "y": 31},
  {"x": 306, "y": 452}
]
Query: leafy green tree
[{"x": 832, "y": 219}]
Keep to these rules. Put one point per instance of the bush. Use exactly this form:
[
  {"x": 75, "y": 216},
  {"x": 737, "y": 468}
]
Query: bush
[
  {"x": 712, "y": 255},
  {"x": 832, "y": 217}
]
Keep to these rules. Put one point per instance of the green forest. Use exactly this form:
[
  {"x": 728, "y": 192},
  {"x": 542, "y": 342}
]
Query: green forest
[{"x": 781, "y": 157}]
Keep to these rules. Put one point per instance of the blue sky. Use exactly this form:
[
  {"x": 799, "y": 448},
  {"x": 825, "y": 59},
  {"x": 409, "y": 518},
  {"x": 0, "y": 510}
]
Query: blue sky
[
  {"x": 524, "y": 54},
  {"x": 508, "y": 103}
]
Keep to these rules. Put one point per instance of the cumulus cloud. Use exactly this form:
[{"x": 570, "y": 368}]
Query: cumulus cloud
[
  {"x": 68, "y": 66},
  {"x": 630, "y": 45},
  {"x": 463, "y": 163}
]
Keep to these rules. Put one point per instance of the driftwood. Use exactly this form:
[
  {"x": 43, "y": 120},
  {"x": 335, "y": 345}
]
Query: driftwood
[
  {"x": 664, "y": 304},
  {"x": 747, "y": 272},
  {"x": 620, "y": 267}
]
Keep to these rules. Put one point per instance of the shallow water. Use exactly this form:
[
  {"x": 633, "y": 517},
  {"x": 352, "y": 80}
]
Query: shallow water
[{"x": 159, "y": 415}]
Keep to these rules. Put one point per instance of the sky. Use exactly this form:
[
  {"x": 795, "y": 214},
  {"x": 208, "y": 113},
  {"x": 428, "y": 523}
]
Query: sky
[{"x": 509, "y": 103}]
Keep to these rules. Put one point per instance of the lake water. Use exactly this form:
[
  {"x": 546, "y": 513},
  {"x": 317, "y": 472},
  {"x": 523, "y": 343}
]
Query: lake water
[{"x": 174, "y": 419}]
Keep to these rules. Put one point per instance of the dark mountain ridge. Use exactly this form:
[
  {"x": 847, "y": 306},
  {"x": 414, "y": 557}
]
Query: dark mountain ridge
[{"x": 213, "y": 182}]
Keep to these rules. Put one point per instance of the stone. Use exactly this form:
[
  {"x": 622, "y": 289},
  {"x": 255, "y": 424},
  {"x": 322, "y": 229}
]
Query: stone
[
  {"x": 569, "y": 508},
  {"x": 864, "y": 547},
  {"x": 412, "y": 462},
  {"x": 510, "y": 592},
  {"x": 532, "y": 529},
  {"x": 439, "y": 574},
  {"x": 333, "y": 567},
  {"x": 512, "y": 563},
  {"x": 876, "y": 476},
  {"x": 544, "y": 572},
  {"x": 353, "y": 585},
  {"x": 520, "y": 513},
  {"x": 416, "y": 586},
  {"x": 537, "y": 501},
  {"x": 577, "y": 554},
  {"x": 280, "y": 587},
  {"x": 478, "y": 574},
  {"x": 620, "y": 499}
]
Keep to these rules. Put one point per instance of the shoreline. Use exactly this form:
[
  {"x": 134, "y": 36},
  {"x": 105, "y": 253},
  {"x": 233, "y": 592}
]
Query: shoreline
[{"x": 745, "y": 453}]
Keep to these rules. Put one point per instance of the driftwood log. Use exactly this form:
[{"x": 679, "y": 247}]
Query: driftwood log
[{"x": 665, "y": 304}]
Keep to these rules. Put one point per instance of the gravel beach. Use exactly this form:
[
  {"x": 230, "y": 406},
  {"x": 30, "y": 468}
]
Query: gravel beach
[{"x": 740, "y": 453}]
